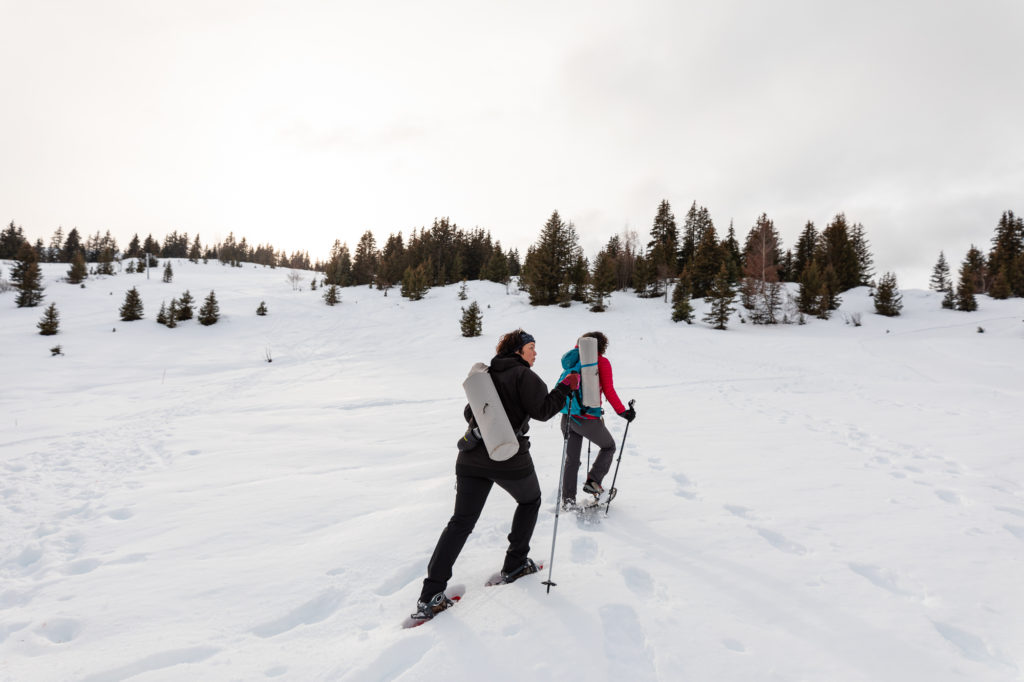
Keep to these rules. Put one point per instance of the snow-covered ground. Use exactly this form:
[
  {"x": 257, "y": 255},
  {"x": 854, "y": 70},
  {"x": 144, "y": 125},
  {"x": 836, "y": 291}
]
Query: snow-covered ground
[{"x": 819, "y": 502}]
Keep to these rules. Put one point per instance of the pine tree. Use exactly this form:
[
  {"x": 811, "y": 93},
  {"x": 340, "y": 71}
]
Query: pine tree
[
  {"x": 462, "y": 291},
  {"x": 472, "y": 320},
  {"x": 132, "y": 307},
  {"x": 836, "y": 249},
  {"x": 415, "y": 281},
  {"x": 976, "y": 269},
  {"x": 965, "y": 290},
  {"x": 195, "y": 252},
  {"x": 808, "y": 301},
  {"x": 186, "y": 306},
  {"x": 706, "y": 263},
  {"x": 721, "y": 297},
  {"x": 364, "y": 264},
  {"x": 78, "y": 271},
  {"x": 552, "y": 261},
  {"x": 940, "y": 275},
  {"x": 161, "y": 316},
  {"x": 50, "y": 324},
  {"x": 105, "y": 262},
  {"x": 862, "y": 250},
  {"x": 172, "y": 314},
  {"x": 662, "y": 249},
  {"x": 888, "y": 299},
  {"x": 10, "y": 241},
  {"x": 1000, "y": 288},
  {"x": 27, "y": 277},
  {"x": 806, "y": 245},
  {"x": 496, "y": 267},
  {"x": 682, "y": 306},
  {"x": 262, "y": 309},
  {"x": 1007, "y": 249},
  {"x": 603, "y": 281},
  {"x": 331, "y": 296},
  {"x": 949, "y": 300},
  {"x": 209, "y": 313},
  {"x": 168, "y": 272},
  {"x": 761, "y": 292}
]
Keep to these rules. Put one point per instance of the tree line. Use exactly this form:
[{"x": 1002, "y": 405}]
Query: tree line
[
  {"x": 687, "y": 260},
  {"x": 103, "y": 249}
]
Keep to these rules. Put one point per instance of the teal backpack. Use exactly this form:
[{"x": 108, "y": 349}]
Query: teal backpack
[{"x": 570, "y": 364}]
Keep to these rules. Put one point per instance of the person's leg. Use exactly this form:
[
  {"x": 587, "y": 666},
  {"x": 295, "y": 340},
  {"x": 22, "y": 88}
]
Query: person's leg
[
  {"x": 572, "y": 458},
  {"x": 470, "y": 496},
  {"x": 526, "y": 492},
  {"x": 597, "y": 433}
]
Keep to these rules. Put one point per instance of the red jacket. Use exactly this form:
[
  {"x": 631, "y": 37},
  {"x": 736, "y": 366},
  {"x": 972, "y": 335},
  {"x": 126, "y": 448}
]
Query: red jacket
[{"x": 604, "y": 371}]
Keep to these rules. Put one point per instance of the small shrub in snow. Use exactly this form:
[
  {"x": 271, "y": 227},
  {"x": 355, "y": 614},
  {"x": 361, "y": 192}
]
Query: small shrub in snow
[
  {"x": 132, "y": 308},
  {"x": 472, "y": 320},
  {"x": 262, "y": 309},
  {"x": 50, "y": 324},
  {"x": 210, "y": 312},
  {"x": 888, "y": 299}
]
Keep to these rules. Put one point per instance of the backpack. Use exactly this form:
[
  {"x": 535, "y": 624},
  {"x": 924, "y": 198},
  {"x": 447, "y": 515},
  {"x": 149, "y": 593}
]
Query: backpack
[{"x": 570, "y": 364}]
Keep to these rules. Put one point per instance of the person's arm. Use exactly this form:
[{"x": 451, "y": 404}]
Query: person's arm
[
  {"x": 539, "y": 403},
  {"x": 604, "y": 370}
]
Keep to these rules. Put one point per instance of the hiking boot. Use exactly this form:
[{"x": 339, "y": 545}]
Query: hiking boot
[
  {"x": 425, "y": 610},
  {"x": 515, "y": 574},
  {"x": 568, "y": 504},
  {"x": 592, "y": 487}
]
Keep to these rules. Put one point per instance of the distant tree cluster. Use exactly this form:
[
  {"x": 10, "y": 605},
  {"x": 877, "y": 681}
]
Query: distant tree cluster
[
  {"x": 104, "y": 252},
  {"x": 1000, "y": 274},
  {"x": 436, "y": 256}
]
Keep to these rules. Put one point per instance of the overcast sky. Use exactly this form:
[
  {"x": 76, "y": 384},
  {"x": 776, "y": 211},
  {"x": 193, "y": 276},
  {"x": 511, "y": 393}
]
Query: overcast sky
[{"x": 301, "y": 122}]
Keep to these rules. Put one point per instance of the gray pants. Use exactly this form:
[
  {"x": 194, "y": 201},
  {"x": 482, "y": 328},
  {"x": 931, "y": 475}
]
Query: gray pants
[{"x": 597, "y": 433}]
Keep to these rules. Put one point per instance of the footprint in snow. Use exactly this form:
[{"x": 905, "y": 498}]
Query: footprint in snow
[
  {"x": 885, "y": 579},
  {"x": 82, "y": 566},
  {"x": 1011, "y": 510},
  {"x": 971, "y": 646},
  {"x": 736, "y": 510},
  {"x": 399, "y": 579},
  {"x": 780, "y": 542},
  {"x": 948, "y": 496},
  {"x": 121, "y": 514},
  {"x": 638, "y": 581},
  {"x": 315, "y": 610},
  {"x": 625, "y": 644},
  {"x": 684, "y": 489},
  {"x": 1017, "y": 531},
  {"x": 59, "y": 630},
  {"x": 154, "y": 662},
  {"x": 584, "y": 550},
  {"x": 734, "y": 645}
]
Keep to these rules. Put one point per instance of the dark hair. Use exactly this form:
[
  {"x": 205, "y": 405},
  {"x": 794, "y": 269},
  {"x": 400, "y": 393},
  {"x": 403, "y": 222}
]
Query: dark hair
[
  {"x": 513, "y": 342},
  {"x": 602, "y": 341}
]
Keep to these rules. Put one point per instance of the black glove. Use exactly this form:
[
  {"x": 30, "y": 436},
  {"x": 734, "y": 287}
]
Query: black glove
[{"x": 628, "y": 414}]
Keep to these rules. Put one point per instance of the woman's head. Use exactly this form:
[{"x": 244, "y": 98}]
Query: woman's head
[
  {"x": 602, "y": 341},
  {"x": 519, "y": 342}
]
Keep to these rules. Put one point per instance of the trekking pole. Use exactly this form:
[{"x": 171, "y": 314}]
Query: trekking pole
[
  {"x": 588, "y": 456},
  {"x": 617, "y": 462},
  {"x": 558, "y": 504}
]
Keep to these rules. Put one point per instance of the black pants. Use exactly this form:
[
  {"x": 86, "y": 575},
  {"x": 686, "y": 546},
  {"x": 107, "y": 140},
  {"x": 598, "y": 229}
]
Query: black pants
[
  {"x": 597, "y": 433},
  {"x": 470, "y": 496}
]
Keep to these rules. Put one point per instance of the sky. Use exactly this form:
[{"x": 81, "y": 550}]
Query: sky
[{"x": 298, "y": 123}]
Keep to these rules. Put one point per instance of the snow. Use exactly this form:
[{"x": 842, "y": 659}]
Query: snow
[{"x": 817, "y": 502}]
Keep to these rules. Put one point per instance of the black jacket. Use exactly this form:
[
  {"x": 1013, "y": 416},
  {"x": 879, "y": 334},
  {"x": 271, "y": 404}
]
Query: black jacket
[{"x": 524, "y": 396}]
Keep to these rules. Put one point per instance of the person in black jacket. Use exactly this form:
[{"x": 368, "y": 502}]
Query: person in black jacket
[{"x": 523, "y": 396}]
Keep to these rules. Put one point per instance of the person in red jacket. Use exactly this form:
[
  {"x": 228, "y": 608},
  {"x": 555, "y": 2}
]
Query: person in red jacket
[{"x": 576, "y": 427}]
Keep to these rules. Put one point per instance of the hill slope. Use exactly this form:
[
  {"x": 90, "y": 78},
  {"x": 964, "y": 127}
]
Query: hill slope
[{"x": 796, "y": 502}]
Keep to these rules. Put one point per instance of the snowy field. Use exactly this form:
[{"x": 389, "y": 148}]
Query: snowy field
[{"x": 821, "y": 502}]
